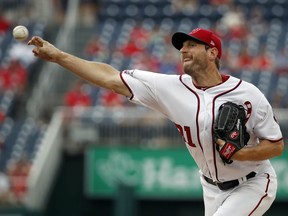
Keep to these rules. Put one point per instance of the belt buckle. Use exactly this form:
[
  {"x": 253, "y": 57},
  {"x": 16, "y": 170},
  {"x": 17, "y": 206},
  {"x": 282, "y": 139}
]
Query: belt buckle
[{"x": 219, "y": 185}]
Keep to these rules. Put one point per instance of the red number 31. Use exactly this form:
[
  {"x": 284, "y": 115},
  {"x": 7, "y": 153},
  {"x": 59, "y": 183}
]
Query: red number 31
[{"x": 186, "y": 134}]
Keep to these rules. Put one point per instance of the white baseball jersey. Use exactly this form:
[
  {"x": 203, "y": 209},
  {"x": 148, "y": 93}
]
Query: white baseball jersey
[{"x": 193, "y": 110}]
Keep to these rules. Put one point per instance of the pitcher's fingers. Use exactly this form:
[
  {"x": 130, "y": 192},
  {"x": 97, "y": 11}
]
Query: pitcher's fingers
[
  {"x": 31, "y": 41},
  {"x": 220, "y": 142},
  {"x": 36, "y": 41},
  {"x": 36, "y": 51}
]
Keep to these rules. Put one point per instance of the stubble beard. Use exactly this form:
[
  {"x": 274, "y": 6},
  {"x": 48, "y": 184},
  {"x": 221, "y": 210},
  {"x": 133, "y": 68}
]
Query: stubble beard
[{"x": 195, "y": 67}]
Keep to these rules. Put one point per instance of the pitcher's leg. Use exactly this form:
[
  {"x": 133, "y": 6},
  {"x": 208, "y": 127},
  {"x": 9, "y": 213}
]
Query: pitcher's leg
[
  {"x": 253, "y": 197},
  {"x": 212, "y": 196}
]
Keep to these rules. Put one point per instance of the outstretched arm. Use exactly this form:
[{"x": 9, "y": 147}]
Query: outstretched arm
[{"x": 97, "y": 73}]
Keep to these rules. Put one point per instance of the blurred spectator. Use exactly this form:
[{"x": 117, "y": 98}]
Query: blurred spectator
[
  {"x": 133, "y": 47},
  {"x": 278, "y": 99},
  {"x": 185, "y": 6},
  {"x": 109, "y": 98},
  {"x": 18, "y": 172},
  {"x": 281, "y": 61},
  {"x": 145, "y": 61},
  {"x": 95, "y": 50},
  {"x": 139, "y": 33},
  {"x": 4, "y": 189},
  {"x": 87, "y": 12},
  {"x": 245, "y": 60},
  {"x": 263, "y": 62},
  {"x": 13, "y": 76},
  {"x": 158, "y": 42},
  {"x": 169, "y": 63},
  {"x": 137, "y": 43},
  {"x": 257, "y": 25},
  {"x": 221, "y": 2},
  {"x": 60, "y": 7},
  {"x": 4, "y": 24},
  {"x": 234, "y": 23},
  {"x": 79, "y": 95},
  {"x": 2, "y": 118},
  {"x": 23, "y": 53}
]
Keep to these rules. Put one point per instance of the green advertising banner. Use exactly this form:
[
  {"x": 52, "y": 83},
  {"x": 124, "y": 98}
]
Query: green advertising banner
[{"x": 163, "y": 174}]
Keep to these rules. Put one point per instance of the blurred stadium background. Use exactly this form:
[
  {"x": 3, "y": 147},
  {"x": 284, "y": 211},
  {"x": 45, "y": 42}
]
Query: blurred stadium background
[{"x": 70, "y": 148}]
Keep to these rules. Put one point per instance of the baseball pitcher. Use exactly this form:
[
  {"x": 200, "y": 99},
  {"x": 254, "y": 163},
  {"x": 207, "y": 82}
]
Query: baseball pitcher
[{"x": 226, "y": 123}]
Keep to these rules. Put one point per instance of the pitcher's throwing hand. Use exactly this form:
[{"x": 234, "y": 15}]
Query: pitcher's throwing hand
[{"x": 44, "y": 49}]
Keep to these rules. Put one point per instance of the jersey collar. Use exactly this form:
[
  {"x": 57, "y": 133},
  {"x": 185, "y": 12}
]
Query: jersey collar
[{"x": 224, "y": 79}]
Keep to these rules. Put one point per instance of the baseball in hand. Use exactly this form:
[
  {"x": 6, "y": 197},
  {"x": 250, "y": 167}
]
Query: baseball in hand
[{"x": 20, "y": 33}]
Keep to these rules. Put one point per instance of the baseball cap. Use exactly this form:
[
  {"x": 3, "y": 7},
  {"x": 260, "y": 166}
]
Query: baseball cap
[{"x": 199, "y": 35}]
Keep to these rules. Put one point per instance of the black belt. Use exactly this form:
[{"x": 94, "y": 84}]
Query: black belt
[{"x": 228, "y": 184}]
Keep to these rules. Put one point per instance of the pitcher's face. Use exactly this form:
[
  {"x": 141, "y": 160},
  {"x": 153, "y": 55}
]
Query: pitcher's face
[{"x": 194, "y": 56}]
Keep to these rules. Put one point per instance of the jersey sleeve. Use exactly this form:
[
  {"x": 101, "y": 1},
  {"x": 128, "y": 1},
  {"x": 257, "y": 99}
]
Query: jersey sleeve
[
  {"x": 142, "y": 87},
  {"x": 266, "y": 126}
]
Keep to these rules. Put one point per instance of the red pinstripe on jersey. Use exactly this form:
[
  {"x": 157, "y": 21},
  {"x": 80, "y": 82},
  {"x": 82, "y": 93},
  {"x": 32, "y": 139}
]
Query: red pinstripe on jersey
[
  {"x": 121, "y": 76},
  {"x": 265, "y": 195},
  {"x": 213, "y": 119},
  {"x": 198, "y": 110}
]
